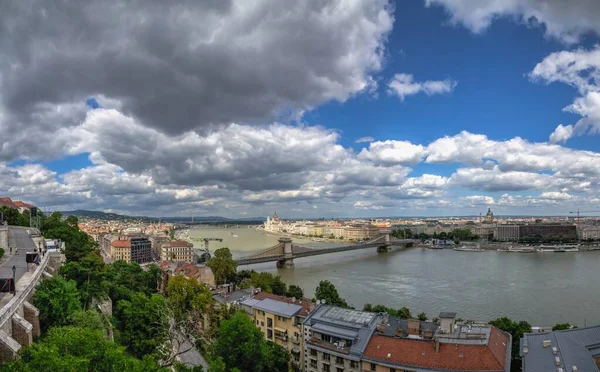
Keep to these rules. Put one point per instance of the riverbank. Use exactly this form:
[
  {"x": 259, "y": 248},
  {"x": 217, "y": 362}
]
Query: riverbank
[{"x": 303, "y": 237}]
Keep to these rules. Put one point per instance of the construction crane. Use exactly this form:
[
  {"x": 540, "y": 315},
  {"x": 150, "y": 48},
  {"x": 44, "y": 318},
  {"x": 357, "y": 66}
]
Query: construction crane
[
  {"x": 578, "y": 212},
  {"x": 206, "y": 241}
]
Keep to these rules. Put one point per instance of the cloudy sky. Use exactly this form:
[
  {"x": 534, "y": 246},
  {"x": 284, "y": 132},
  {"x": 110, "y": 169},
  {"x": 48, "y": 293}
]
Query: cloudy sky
[{"x": 317, "y": 108}]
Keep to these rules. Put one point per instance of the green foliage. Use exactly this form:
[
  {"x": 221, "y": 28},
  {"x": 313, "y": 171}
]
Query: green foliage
[
  {"x": 1, "y": 252},
  {"x": 241, "y": 346},
  {"x": 422, "y": 317},
  {"x": 404, "y": 313},
  {"x": 89, "y": 319},
  {"x": 327, "y": 291},
  {"x": 14, "y": 218},
  {"x": 125, "y": 279},
  {"x": 141, "y": 323},
  {"x": 58, "y": 300},
  {"x": 267, "y": 282},
  {"x": 77, "y": 243},
  {"x": 90, "y": 275},
  {"x": 295, "y": 291},
  {"x": 380, "y": 309},
  {"x": 516, "y": 329},
  {"x": 223, "y": 266},
  {"x": 563, "y": 326},
  {"x": 78, "y": 349},
  {"x": 187, "y": 298}
]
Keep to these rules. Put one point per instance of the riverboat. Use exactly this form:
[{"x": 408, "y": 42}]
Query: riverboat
[{"x": 468, "y": 249}]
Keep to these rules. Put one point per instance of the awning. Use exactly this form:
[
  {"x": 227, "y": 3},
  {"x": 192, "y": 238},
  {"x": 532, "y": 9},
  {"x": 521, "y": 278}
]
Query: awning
[{"x": 282, "y": 330}]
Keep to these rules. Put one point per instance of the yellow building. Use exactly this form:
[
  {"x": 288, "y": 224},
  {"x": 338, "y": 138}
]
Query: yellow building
[
  {"x": 120, "y": 250},
  {"x": 317, "y": 230},
  {"x": 180, "y": 251},
  {"x": 280, "y": 320}
]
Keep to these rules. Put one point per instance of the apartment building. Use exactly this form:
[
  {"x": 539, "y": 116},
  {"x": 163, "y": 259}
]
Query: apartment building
[
  {"x": 120, "y": 250},
  {"x": 177, "y": 250},
  {"x": 129, "y": 248},
  {"x": 507, "y": 233},
  {"x": 589, "y": 233},
  {"x": 203, "y": 274},
  {"x": 413, "y": 345},
  {"x": 573, "y": 350},
  {"x": 335, "y": 338},
  {"x": 361, "y": 232}
]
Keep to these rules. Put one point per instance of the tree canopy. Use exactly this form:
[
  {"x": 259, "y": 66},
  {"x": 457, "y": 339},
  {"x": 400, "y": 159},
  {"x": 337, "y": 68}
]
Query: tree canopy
[
  {"x": 327, "y": 291},
  {"x": 516, "y": 329},
  {"x": 57, "y": 299},
  {"x": 295, "y": 291},
  {"x": 77, "y": 242},
  {"x": 222, "y": 265}
]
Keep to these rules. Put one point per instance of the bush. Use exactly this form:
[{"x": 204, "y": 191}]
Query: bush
[{"x": 1, "y": 252}]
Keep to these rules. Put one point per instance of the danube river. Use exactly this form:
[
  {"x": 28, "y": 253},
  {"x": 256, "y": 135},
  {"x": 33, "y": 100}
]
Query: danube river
[{"x": 542, "y": 288}]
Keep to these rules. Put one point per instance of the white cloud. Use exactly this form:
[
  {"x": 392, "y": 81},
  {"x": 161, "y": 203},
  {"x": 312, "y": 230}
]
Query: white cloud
[
  {"x": 564, "y": 20},
  {"x": 393, "y": 152},
  {"x": 403, "y": 85},
  {"x": 580, "y": 69},
  {"x": 480, "y": 200},
  {"x": 555, "y": 195},
  {"x": 364, "y": 139}
]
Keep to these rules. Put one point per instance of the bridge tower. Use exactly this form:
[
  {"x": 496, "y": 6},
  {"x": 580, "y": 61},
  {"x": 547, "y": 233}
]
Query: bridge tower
[
  {"x": 288, "y": 260},
  {"x": 386, "y": 246}
]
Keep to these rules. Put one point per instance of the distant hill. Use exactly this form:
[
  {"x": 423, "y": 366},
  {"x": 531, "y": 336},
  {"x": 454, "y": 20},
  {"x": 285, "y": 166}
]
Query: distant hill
[{"x": 114, "y": 216}]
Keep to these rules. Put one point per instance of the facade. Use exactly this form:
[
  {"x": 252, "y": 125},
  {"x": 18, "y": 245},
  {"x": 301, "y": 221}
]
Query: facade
[
  {"x": 413, "y": 345},
  {"x": 177, "y": 251},
  {"x": 141, "y": 249},
  {"x": 574, "y": 350},
  {"x": 484, "y": 231},
  {"x": 589, "y": 233},
  {"x": 120, "y": 250},
  {"x": 361, "y": 232},
  {"x": 507, "y": 233},
  {"x": 549, "y": 231},
  {"x": 335, "y": 338}
]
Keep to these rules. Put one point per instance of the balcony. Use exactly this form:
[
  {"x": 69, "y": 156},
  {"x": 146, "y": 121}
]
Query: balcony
[
  {"x": 296, "y": 340},
  {"x": 327, "y": 345}
]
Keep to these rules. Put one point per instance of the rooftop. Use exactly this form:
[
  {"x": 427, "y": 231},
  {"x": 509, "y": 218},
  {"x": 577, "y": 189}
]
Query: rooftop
[
  {"x": 278, "y": 307},
  {"x": 575, "y": 347},
  {"x": 413, "y": 353},
  {"x": 177, "y": 243},
  {"x": 307, "y": 305},
  {"x": 226, "y": 298},
  {"x": 121, "y": 244},
  {"x": 449, "y": 315}
]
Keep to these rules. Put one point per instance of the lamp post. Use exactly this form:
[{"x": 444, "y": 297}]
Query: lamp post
[{"x": 14, "y": 270}]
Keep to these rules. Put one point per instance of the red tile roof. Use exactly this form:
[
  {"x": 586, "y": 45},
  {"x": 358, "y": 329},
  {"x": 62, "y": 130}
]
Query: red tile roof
[
  {"x": 178, "y": 243},
  {"x": 306, "y": 304},
  {"x": 409, "y": 352},
  {"x": 121, "y": 244}
]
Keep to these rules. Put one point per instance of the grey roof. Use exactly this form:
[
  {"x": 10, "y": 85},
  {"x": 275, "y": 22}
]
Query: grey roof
[
  {"x": 342, "y": 322},
  {"x": 445, "y": 314},
  {"x": 230, "y": 297},
  {"x": 250, "y": 302},
  {"x": 394, "y": 323},
  {"x": 278, "y": 307},
  {"x": 575, "y": 347}
]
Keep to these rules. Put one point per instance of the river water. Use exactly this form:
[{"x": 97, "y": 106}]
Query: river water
[{"x": 541, "y": 288}]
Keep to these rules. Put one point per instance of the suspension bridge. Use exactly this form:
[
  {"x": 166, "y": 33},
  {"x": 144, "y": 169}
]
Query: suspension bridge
[{"x": 286, "y": 251}]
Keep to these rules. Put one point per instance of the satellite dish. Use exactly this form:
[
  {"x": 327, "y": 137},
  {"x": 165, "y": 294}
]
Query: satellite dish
[
  {"x": 318, "y": 302},
  {"x": 323, "y": 301}
]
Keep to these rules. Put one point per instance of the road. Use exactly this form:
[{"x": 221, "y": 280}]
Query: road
[
  {"x": 191, "y": 357},
  {"x": 21, "y": 242}
]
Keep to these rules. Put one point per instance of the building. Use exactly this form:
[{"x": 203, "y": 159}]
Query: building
[
  {"x": 507, "y": 233},
  {"x": 280, "y": 320},
  {"x": 548, "y": 231},
  {"x": 335, "y": 338},
  {"x": 413, "y": 345},
  {"x": 361, "y": 232},
  {"x": 589, "y": 233},
  {"x": 483, "y": 231},
  {"x": 141, "y": 249},
  {"x": 574, "y": 350},
  {"x": 203, "y": 274},
  {"x": 177, "y": 250},
  {"x": 120, "y": 250},
  {"x": 489, "y": 217}
]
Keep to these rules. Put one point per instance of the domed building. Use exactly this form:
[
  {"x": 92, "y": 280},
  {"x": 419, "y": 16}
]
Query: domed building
[{"x": 489, "y": 217}]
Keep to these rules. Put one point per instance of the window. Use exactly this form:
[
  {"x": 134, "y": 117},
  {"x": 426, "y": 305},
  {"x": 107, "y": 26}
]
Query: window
[
  {"x": 257, "y": 322},
  {"x": 339, "y": 360},
  {"x": 269, "y": 334},
  {"x": 353, "y": 364},
  {"x": 313, "y": 352},
  {"x": 326, "y": 338},
  {"x": 262, "y": 324},
  {"x": 325, "y": 367},
  {"x": 339, "y": 369},
  {"x": 313, "y": 363},
  {"x": 392, "y": 369},
  {"x": 270, "y": 322},
  {"x": 325, "y": 357},
  {"x": 373, "y": 367}
]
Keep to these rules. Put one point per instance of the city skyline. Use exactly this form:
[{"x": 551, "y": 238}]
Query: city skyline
[{"x": 375, "y": 108}]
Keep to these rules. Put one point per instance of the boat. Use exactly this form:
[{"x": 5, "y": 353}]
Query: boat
[
  {"x": 559, "y": 249},
  {"x": 468, "y": 249},
  {"x": 234, "y": 235},
  {"x": 521, "y": 249}
]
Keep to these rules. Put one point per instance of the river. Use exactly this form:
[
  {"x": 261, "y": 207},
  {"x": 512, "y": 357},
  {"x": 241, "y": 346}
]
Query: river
[{"x": 541, "y": 288}]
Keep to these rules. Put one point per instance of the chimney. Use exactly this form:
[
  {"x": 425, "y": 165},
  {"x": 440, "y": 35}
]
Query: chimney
[{"x": 436, "y": 345}]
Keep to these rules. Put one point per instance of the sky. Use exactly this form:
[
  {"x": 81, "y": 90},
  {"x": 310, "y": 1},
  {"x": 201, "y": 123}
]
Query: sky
[{"x": 318, "y": 108}]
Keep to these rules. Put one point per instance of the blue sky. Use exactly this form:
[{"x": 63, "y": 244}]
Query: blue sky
[{"x": 463, "y": 106}]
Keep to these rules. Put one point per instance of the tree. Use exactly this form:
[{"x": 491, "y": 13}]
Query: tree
[
  {"x": 239, "y": 344},
  {"x": 57, "y": 299},
  {"x": 188, "y": 299},
  {"x": 327, "y": 291},
  {"x": 516, "y": 329},
  {"x": 295, "y": 291},
  {"x": 404, "y": 313},
  {"x": 422, "y": 317},
  {"x": 275, "y": 357},
  {"x": 1, "y": 252},
  {"x": 267, "y": 282},
  {"x": 77, "y": 242},
  {"x": 222, "y": 265},
  {"x": 141, "y": 323},
  {"x": 78, "y": 349},
  {"x": 90, "y": 275},
  {"x": 89, "y": 319},
  {"x": 563, "y": 326}
]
